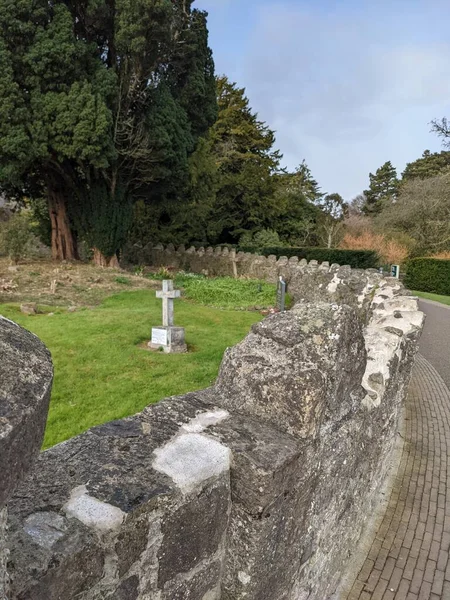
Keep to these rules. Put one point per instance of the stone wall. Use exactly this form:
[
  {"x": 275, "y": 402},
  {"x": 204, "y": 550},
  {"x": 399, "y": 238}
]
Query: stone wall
[
  {"x": 257, "y": 488},
  {"x": 306, "y": 281},
  {"x": 25, "y": 383}
]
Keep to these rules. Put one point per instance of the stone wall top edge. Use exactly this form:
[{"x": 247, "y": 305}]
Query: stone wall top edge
[
  {"x": 26, "y": 376},
  {"x": 225, "y": 251}
]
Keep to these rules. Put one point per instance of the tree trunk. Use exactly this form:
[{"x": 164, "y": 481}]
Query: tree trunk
[
  {"x": 330, "y": 239},
  {"x": 64, "y": 245},
  {"x": 101, "y": 260}
]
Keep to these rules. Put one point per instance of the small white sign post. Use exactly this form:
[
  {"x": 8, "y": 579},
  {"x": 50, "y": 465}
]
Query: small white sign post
[
  {"x": 168, "y": 337},
  {"x": 395, "y": 271}
]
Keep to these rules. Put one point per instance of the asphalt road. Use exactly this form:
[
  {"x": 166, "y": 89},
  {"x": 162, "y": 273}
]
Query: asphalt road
[{"x": 435, "y": 341}]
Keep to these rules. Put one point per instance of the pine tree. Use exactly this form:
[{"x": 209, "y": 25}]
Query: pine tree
[
  {"x": 429, "y": 165},
  {"x": 297, "y": 195},
  {"x": 243, "y": 151},
  {"x": 383, "y": 189}
]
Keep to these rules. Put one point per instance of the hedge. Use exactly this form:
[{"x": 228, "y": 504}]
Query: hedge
[
  {"x": 358, "y": 259},
  {"x": 428, "y": 275}
]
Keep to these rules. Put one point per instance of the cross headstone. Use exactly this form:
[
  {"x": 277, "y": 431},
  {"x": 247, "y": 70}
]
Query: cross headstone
[
  {"x": 168, "y": 337},
  {"x": 234, "y": 263},
  {"x": 168, "y": 294}
]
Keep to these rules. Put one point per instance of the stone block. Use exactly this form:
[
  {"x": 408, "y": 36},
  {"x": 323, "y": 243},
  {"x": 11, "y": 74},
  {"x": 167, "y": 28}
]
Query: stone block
[
  {"x": 26, "y": 377},
  {"x": 296, "y": 369},
  {"x": 170, "y": 339}
]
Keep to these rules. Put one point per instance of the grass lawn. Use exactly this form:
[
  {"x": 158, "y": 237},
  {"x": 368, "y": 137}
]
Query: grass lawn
[
  {"x": 435, "y": 297},
  {"x": 102, "y": 374}
]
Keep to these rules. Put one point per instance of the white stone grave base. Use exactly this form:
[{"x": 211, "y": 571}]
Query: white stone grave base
[{"x": 170, "y": 339}]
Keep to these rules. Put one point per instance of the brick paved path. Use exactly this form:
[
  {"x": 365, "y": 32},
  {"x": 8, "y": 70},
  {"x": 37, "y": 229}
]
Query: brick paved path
[{"x": 409, "y": 558}]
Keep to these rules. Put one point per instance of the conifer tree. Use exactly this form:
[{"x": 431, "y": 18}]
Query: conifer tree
[
  {"x": 100, "y": 104},
  {"x": 383, "y": 189},
  {"x": 242, "y": 146},
  {"x": 430, "y": 164}
]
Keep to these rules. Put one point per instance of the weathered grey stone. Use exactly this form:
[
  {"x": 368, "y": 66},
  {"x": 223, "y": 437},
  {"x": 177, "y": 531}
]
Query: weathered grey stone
[
  {"x": 322, "y": 344},
  {"x": 26, "y": 377},
  {"x": 128, "y": 589},
  {"x": 4, "y": 554},
  {"x": 197, "y": 527},
  {"x": 198, "y": 585},
  {"x": 29, "y": 309}
]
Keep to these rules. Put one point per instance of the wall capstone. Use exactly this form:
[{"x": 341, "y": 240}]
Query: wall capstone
[{"x": 25, "y": 383}]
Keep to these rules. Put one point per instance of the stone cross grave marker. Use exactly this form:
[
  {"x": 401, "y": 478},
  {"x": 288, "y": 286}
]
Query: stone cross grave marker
[
  {"x": 168, "y": 337},
  {"x": 281, "y": 295},
  {"x": 168, "y": 294}
]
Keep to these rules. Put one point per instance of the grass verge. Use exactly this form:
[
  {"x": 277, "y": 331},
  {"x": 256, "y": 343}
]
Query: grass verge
[{"x": 435, "y": 297}]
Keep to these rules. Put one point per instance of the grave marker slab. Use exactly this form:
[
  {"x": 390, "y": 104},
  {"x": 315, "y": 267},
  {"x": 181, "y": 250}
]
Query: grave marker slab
[{"x": 281, "y": 295}]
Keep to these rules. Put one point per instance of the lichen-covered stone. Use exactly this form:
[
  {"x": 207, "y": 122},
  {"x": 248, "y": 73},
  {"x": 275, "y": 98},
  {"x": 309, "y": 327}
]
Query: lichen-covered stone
[
  {"x": 26, "y": 377},
  {"x": 294, "y": 367}
]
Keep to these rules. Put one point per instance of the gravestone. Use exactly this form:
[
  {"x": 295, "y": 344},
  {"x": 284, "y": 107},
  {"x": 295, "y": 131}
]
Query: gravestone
[
  {"x": 281, "y": 295},
  {"x": 168, "y": 337}
]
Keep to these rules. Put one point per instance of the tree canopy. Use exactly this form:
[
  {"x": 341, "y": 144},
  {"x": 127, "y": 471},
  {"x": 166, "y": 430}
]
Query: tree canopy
[
  {"x": 429, "y": 165},
  {"x": 101, "y": 104},
  {"x": 383, "y": 189}
]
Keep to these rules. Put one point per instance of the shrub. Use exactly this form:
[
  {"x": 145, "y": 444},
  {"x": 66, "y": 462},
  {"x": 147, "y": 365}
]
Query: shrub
[
  {"x": 428, "y": 275},
  {"x": 16, "y": 236},
  {"x": 358, "y": 259},
  {"x": 389, "y": 250},
  {"x": 262, "y": 239},
  {"x": 122, "y": 280}
]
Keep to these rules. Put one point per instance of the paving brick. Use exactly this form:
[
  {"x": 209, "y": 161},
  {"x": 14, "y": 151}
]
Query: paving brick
[{"x": 409, "y": 557}]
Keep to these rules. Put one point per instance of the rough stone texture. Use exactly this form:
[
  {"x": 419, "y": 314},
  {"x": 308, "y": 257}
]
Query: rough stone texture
[
  {"x": 257, "y": 488},
  {"x": 295, "y": 368},
  {"x": 26, "y": 378},
  {"x": 25, "y": 383},
  {"x": 4, "y": 579}
]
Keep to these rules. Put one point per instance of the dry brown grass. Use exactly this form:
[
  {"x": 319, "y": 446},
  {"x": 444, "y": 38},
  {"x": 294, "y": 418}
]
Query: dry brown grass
[
  {"x": 441, "y": 255},
  {"x": 390, "y": 251},
  {"x": 64, "y": 284}
]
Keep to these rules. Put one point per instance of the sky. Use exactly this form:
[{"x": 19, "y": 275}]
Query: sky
[{"x": 346, "y": 84}]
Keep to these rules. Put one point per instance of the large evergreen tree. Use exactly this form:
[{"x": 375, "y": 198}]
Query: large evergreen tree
[
  {"x": 297, "y": 195},
  {"x": 429, "y": 165},
  {"x": 383, "y": 189},
  {"x": 242, "y": 147},
  {"x": 101, "y": 103}
]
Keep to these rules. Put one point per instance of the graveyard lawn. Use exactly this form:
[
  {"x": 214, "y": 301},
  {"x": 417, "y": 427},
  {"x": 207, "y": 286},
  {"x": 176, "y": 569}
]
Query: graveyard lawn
[{"x": 103, "y": 372}]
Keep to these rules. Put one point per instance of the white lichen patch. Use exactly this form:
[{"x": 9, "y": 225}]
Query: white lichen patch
[
  {"x": 333, "y": 285},
  {"x": 244, "y": 578},
  {"x": 191, "y": 459},
  {"x": 92, "y": 512},
  {"x": 205, "y": 420}
]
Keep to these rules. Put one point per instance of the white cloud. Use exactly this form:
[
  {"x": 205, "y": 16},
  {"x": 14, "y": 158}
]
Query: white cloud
[{"x": 342, "y": 93}]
